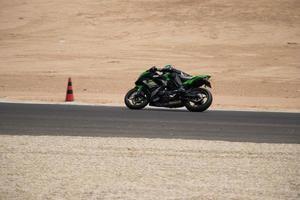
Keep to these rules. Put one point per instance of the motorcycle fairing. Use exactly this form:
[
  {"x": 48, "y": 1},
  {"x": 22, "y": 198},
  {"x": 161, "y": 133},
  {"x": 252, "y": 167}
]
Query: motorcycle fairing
[{"x": 197, "y": 81}]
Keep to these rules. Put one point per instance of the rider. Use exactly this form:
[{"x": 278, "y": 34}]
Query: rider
[
  {"x": 167, "y": 77},
  {"x": 175, "y": 77},
  {"x": 170, "y": 75}
]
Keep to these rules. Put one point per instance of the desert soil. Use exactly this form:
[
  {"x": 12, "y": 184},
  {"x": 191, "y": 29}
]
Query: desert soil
[
  {"x": 251, "y": 48},
  {"x": 56, "y": 167}
]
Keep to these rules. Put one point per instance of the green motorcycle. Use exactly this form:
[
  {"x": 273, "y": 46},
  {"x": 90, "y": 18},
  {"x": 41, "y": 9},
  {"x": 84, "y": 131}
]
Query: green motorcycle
[{"x": 159, "y": 88}]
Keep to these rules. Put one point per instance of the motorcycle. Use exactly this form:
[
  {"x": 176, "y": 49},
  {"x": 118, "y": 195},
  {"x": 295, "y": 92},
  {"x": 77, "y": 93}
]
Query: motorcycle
[{"x": 158, "y": 90}]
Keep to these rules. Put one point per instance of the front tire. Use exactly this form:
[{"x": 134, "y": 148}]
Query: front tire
[
  {"x": 200, "y": 103},
  {"x": 134, "y": 100}
]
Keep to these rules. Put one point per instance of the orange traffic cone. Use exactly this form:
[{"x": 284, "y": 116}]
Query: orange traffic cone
[{"x": 70, "y": 96}]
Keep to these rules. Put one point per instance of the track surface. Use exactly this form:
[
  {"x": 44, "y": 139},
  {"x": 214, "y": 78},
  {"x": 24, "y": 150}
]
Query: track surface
[{"x": 39, "y": 119}]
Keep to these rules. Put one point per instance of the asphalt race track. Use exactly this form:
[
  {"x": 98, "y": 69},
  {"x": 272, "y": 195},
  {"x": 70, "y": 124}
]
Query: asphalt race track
[{"x": 104, "y": 121}]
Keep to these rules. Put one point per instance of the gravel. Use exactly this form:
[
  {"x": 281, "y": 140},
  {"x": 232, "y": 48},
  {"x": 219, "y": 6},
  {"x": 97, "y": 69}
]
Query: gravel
[{"x": 59, "y": 167}]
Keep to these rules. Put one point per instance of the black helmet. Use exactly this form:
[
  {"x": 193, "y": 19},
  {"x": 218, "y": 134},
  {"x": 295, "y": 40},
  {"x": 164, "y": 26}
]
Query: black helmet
[{"x": 170, "y": 67}]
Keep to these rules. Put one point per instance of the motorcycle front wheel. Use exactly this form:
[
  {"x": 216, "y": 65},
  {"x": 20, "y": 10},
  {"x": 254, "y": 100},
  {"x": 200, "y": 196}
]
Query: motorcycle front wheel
[
  {"x": 200, "y": 101},
  {"x": 135, "y": 100}
]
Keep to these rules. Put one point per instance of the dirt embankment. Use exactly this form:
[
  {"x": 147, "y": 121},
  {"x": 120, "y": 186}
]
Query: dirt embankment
[{"x": 251, "y": 48}]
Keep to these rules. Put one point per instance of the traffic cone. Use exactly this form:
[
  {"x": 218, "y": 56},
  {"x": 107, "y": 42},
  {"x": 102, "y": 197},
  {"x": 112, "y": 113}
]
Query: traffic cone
[{"x": 69, "y": 96}]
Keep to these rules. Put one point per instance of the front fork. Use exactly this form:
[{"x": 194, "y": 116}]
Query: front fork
[
  {"x": 140, "y": 91},
  {"x": 139, "y": 88}
]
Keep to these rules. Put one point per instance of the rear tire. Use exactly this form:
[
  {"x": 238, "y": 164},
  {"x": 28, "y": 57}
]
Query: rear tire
[
  {"x": 135, "y": 102},
  {"x": 201, "y": 106}
]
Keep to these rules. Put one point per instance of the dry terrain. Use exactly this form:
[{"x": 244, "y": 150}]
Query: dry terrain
[
  {"x": 251, "y": 48},
  {"x": 56, "y": 167}
]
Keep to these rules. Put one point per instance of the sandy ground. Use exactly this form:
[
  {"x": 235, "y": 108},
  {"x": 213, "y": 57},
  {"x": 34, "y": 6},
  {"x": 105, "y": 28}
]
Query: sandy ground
[
  {"x": 251, "y": 48},
  {"x": 54, "y": 167}
]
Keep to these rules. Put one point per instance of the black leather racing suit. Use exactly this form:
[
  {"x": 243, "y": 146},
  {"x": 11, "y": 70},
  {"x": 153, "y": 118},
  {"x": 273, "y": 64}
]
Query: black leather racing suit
[{"x": 175, "y": 75}]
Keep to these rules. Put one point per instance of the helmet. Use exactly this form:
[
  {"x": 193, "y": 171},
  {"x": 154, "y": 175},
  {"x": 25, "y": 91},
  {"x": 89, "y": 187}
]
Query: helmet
[{"x": 168, "y": 67}]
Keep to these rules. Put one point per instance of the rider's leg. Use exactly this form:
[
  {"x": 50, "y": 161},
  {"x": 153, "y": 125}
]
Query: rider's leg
[{"x": 179, "y": 84}]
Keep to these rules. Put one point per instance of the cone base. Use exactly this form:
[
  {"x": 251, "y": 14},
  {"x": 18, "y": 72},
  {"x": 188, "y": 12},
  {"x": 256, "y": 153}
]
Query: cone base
[{"x": 69, "y": 98}]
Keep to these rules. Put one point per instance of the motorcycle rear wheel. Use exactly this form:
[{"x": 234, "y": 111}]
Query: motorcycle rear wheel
[
  {"x": 200, "y": 103},
  {"x": 136, "y": 101}
]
